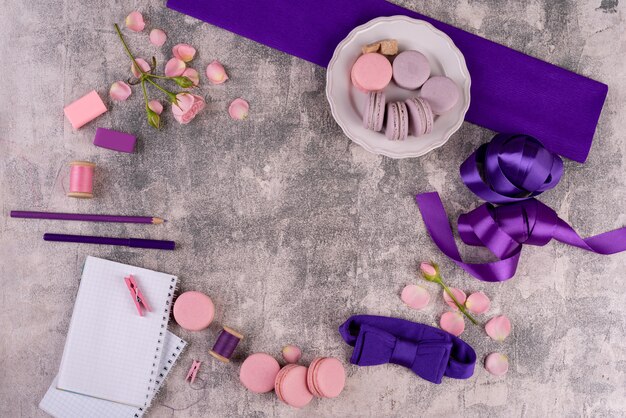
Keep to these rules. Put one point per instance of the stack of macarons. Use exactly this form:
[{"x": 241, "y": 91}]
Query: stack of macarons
[
  {"x": 373, "y": 72},
  {"x": 294, "y": 384}
]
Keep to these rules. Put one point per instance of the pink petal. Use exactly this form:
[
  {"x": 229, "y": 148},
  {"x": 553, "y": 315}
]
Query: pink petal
[
  {"x": 498, "y": 328},
  {"x": 134, "y": 22},
  {"x": 184, "y": 52},
  {"x": 291, "y": 353},
  {"x": 155, "y": 106},
  {"x": 192, "y": 75},
  {"x": 453, "y": 323},
  {"x": 119, "y": 91},
  {"x": 477, "y": 303},
  {"x": 142, "y": 64},
  {"x": 415, "y": 297},
  {"x": 174, "y": 67},
  {"x": 238, "y": 109},
  {"x": 458, "y": 294},
  {"x": 497, "y": 364},
  {"x": 216, "y": 73},
  {"x": 157, "y": 37}
]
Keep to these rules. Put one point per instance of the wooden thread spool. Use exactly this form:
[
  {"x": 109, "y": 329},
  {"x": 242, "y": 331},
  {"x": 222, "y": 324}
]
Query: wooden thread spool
[
  {"x": 81, "y": 179},
  {"x": 226, "y": 344}
]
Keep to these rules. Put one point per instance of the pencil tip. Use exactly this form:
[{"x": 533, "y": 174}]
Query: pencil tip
[{"x": 158, "y": 220}]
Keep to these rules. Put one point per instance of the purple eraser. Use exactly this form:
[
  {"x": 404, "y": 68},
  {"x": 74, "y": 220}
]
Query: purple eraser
[{"x": 117, "y": 141}]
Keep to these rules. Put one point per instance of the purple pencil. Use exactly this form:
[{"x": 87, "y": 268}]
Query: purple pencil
[{"x": 86, "y": 217}]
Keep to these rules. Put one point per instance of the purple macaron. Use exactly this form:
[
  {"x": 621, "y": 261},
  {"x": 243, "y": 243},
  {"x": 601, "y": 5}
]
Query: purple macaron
[
  {"x": 421, "y": 116},
  {"x": 442, "y": 94},
  {"x": 410, "y": 69},
  {"x": 374, "y": 111},
  {"x": 397, "y": 128}
]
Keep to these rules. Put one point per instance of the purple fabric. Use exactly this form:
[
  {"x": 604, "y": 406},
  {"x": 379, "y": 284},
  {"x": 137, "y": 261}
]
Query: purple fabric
[
  {"x": 429, "y": 352},
  {"x": 511, "y": 91},
  {"x": 511, "y": 168}
]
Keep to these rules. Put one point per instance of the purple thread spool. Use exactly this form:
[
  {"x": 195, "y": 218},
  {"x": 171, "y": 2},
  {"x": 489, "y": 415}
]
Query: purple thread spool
[{"x": 226, "y": 344}]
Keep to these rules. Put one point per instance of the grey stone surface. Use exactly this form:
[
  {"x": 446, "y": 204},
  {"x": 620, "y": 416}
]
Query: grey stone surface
[{"x": 289, "y": 226}]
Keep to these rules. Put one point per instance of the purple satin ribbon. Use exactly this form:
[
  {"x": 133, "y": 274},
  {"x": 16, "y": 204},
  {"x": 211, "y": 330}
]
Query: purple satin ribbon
[
  {"x": 429, "y": 352},
  {"x": 511, "y": 168}
]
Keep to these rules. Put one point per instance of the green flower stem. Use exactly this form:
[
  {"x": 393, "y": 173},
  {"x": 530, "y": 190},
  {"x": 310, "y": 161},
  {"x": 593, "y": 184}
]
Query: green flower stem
[
  {"x": 119, "y": 33},
  {"x": 145, "y": 93},
  {"x": 456, "y": 302},
  {"x": 170, "y": 95}
]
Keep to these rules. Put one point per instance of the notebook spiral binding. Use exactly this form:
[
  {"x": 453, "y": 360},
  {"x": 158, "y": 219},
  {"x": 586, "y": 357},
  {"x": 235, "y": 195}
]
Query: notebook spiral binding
[
  {"x": 180, "y": 346},
  {"x": 166, "y": 314}
]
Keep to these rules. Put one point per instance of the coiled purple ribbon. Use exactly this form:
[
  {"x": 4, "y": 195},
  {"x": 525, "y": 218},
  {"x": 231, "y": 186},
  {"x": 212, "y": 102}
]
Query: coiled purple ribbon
[{"x": 510, "y": 168}]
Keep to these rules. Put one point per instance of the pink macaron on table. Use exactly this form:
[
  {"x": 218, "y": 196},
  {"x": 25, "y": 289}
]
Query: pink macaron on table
[{"x": 427, "y": 61}]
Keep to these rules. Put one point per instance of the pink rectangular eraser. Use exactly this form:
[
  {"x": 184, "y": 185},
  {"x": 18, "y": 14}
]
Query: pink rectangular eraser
[{"x": 85, "y": 109}]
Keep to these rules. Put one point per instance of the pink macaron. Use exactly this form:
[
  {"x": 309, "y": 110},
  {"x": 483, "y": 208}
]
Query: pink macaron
[
  {"x": 421, "y": 118},
  {"x": 410, "y": 69},
  {"x": 371, "y": 72},
  {"x": 258, "y": 372},
  {"x": 194, "y": 311},
  {"x": 326, "y": 377},
  {"x": 442, "y": 93},
  {"x": 374, "y": 111},
  {"x": 291, "y": 386},
  {"x": 397, "y": 127}
]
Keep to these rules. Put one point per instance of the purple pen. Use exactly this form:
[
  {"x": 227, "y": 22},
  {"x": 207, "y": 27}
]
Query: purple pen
[{"x": 128, "y": 242}]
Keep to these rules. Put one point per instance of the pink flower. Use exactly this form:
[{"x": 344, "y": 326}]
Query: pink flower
[
  {"x": 184, "y": 52},
  {"x": 187, "y": 107},
  {"x": 134, "y": 22},
  {"x": 142, "y": 64},
  {"x": 157, "y": 37}
]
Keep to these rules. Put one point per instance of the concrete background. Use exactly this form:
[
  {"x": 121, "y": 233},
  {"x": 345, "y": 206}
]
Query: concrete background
[{"x": 289, "y": 226}]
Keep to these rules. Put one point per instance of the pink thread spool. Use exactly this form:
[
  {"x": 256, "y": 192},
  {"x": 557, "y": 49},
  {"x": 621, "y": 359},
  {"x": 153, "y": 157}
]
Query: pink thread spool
[{"x": 81, "y": 179}]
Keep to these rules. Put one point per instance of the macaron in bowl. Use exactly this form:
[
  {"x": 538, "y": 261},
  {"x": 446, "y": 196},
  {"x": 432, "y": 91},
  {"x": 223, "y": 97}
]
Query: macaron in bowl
[{"x": 374, "y": 111}]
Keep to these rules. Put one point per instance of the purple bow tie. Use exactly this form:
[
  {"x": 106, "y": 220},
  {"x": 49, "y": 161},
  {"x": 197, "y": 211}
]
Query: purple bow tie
[
  {"x": 510, "y": 169},
  {"x": 430, "y": 352}
]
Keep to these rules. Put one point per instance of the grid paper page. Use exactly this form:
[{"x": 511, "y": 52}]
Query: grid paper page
[
  {"x": 111, "y": 352},
  {"x": 63, "y": 404}
]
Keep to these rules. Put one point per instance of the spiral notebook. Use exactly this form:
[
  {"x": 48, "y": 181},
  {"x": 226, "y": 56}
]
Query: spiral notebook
[
  {"x": 112, "y": 352},
  {"x": 64, "y": 404}
]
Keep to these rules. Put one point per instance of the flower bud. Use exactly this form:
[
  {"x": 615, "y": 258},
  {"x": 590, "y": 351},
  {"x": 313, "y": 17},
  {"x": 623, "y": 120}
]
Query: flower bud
[
  {"x": 154, "y": 120},
  {"x": 183, "y": 81},
  {"x": 429, "y": 271}
]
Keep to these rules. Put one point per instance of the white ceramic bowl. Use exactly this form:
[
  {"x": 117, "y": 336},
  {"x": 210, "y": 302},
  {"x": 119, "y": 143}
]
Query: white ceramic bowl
[{"x": 347, "y": 103}]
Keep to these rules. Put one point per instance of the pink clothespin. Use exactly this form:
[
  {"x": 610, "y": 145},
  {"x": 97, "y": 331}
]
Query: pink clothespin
[
  {"x": 193, "y": 371},
  {"x": 136, "y": 294}
]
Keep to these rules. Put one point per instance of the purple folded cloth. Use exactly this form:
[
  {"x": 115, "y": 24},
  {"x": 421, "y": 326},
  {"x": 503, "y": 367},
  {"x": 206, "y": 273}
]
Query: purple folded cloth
[
  {"x": 511, "y": 92},
  {"x": 429, "y": 352}
]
